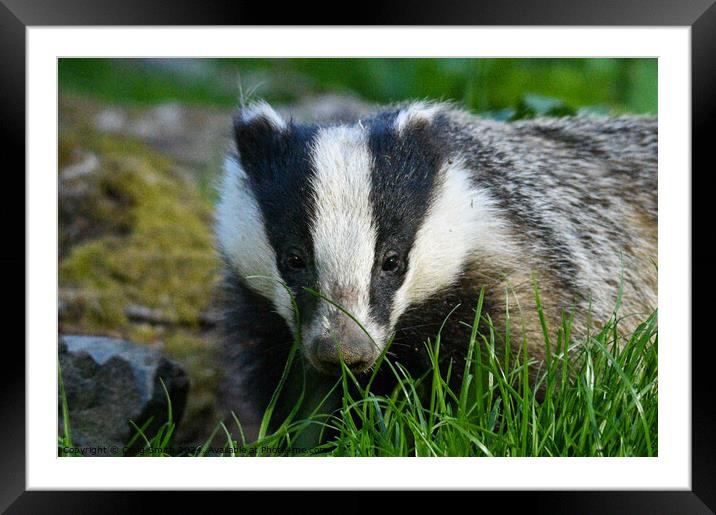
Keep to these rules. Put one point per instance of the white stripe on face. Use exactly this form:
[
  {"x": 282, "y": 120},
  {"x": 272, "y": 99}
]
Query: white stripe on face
[
  {"x": 343, "y": 232},
  {"x": 462, "y": 222},
  {"x": 242, "y": 236}
]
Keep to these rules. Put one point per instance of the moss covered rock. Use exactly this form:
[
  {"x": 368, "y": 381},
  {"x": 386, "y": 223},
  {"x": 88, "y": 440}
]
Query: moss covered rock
[{"x": 136, "y": 252}]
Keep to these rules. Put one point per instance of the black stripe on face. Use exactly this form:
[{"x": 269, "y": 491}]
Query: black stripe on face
[
  {"x": 278, "y": 164},
  {"x": 403, "y": 178}
]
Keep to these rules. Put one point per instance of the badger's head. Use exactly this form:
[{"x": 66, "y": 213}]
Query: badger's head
[{"x": 375, "y": 217}]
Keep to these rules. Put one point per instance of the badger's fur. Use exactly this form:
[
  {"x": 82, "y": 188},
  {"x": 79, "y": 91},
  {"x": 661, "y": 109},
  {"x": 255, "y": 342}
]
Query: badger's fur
[{"x": 403, "y": 216}]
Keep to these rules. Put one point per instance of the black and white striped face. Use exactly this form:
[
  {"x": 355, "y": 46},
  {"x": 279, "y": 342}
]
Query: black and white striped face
[{"x": 372, "y": 216}]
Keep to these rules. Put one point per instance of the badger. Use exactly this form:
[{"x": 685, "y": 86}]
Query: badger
[{"x": 351, "y": 236}]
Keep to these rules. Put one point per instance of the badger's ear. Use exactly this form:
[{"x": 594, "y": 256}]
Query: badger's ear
[
  {"x": 415, "y": 117},
  {"x": 257, "y": 131}
]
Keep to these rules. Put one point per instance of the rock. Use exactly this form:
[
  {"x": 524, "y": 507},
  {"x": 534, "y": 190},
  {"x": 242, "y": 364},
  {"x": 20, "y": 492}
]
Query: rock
[{"x": 109, "y": 382}]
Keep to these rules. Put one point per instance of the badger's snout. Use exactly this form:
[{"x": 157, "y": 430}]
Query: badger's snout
[{"x": 343, "y": 341}]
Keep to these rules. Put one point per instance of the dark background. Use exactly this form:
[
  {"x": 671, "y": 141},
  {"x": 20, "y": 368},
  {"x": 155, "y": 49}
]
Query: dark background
[{"x": 16, "y": 15}]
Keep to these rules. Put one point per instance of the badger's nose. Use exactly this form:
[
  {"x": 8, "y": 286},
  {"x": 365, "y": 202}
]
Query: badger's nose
[{"x": 356, "y": 351}]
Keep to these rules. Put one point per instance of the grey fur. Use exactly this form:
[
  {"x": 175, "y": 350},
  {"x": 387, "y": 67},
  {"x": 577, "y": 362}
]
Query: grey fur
[{"x": 582, "y": 195}]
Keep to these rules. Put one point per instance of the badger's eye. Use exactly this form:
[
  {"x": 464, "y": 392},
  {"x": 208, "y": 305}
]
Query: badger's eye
[
  {"x": 295, "y": 261},
  {"x": 391, "y": 263}
]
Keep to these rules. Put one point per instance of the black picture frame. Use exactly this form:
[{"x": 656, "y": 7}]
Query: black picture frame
[{"x": 17, "y": 15}]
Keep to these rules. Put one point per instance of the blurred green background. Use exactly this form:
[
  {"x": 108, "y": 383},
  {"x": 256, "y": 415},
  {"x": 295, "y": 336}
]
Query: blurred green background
[{"x": 502, "y": 88}]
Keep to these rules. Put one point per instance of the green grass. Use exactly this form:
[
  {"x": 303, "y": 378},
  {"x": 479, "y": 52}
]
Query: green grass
[{"x": 598, "y": 398}]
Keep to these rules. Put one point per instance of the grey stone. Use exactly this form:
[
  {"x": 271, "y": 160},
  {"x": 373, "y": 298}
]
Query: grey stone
[{"x": 108, "y": 383}]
